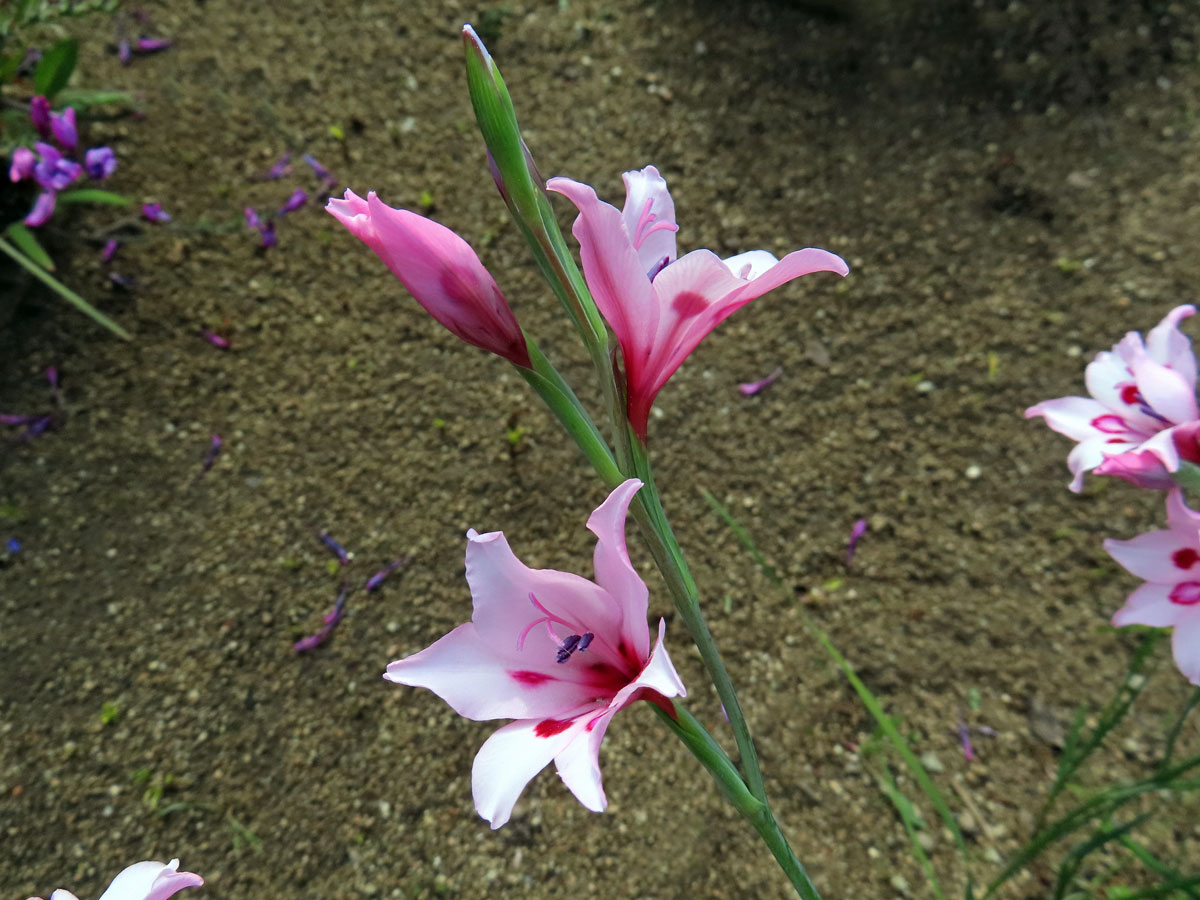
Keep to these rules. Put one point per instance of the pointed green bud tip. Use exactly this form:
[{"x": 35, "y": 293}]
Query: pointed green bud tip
[{"x": 475, "y": 45}]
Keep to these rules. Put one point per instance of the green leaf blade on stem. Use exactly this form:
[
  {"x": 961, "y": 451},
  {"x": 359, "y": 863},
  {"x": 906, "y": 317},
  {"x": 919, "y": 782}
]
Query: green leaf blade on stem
[
  {"x": 55, "y": 67},
  {"x": 28, "y": 244},
  {"x": 94, "y": 195}
]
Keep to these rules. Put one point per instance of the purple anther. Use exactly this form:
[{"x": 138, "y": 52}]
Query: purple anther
[
  {"x": 568, "y": 647},
  {"x": 100, "y": 162},
  {"x": 750, "y": 388},
  {"x": 298, "y": 199},
  {"x": 332, "y": 618},
  {"x": 320, "y": 170},
  {"x": 23, "y": 161},
  {"x": 964, "y": 738},
  {"x": 214, "y": 450},
  {"x": 39, "y": 115},
  {"x": 585, "y": 641},
  {"x": 280, "y": 169},
  {"x": 155, "y": 213},
  {"x": 110, "y": 250},
  {"x": 221, "y": 343},
  {"x": 124, "y": 51},
  {"x": 151, "y": 45},
  {"x": 122, "y": 281},
  {"x": 658, "y": 267},
  {"x": 374, "y": 582},
  {"x": 337, "y": 549},
  {"x": 62, "y": 126},
  {"x": 856, "y": 533},
  {"x": 43, "y": 209}
]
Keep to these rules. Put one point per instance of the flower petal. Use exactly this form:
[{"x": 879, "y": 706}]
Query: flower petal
[
  {"x": 649, "y": 217},
  {"x": 510, "y": 758},
  {"x": 1166, "y": 391},
  {"x": 1109, "y": 378},
  {"x": 614, "y": 571},
  {"x": 1149, "y": 605},
  {"x": 1139, "y": 467},
  {"x": 1166, "y": 556},
  {"x": 1072, "y": 416},
  {"x": 1185, "y": 645},
  {"x": 1169, "y": 346},
  {"x": 483, "y": 679},
  {"x": 614, "y": 272},
  {"x": 150, "y": 880},
  {"x": 749, "y": 265}
]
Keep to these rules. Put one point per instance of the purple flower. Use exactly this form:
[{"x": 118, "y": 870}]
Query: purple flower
[
  {"x": 335, "y": 548},
  {"x": 62, "y": 125},
  {"x": 155, "y": 213},
  {"x": 374, "y": 582},
  {"x": 331, "y": 622},
  {"x": 55, "y": 172},
  {"x": 280, "y": 168},
  {"x": 268, "y": 235},
  {"x": 253, "y": 220},
  {"x": 100, "y": 162},
  {"x": 298, "y": 199},
  {"x": 23, "y": 161},
  {"x": 320, "y": 170},
  {"x": 221, "y": 343},
  {"x": 856, "y": 533},
  {"x": 110, "y": 250},
  {"x": 39, "y": 115},
  {"x": 43, "y": 209},
  {"x": 124, "y": 51}
]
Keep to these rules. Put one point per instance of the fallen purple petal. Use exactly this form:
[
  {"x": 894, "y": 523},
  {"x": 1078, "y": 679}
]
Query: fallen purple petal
[
  {"x": 750, "y": 388},
  {"x": 298, "y": 199},
  {"x": 374, "y": 582},
  {"x": 216, "y": 340},
  {"x": 11, "y": 419},
  {"x": 151, "y": 45},
  {"x": 332, "y": 618},
  {"x": 214, "y": 450},
  {"x": 100, "y": 162},
  {"x": 320, "y": 171},
  {"x": 155, "y": 213},
  {"x": 62, "y": 126},
  {"x": 253, "y": 220},
  {"x": 964, "y": 738},
  {"x": 110, "y": 250},
  {"x": 124, "y": 51},
  {"x": 52, "y": 380},
  {"x": 122, "y": 281},
  {"x": 268, "y": 235},
  {"x": 280, "y": 169},
  {"x": 39, "y": 115},
  {"x": 43, "y": 209},
  {"x": 856, "y": 533},
  {"x": 337, "y": 549},
  {"x": 36, "y": 428}
]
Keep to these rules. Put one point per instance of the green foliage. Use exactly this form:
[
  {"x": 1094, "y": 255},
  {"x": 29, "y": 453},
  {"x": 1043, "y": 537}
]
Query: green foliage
[
  {"x": 109, "y": 712},
  {"x": 94, "y": 195},
  {"x": 243, "y": 837},
  {"x": 55, "y": 67},
  {"x": 28, "y": 244}
]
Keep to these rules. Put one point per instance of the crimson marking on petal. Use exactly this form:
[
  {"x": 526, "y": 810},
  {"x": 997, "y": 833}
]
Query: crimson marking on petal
[
  {"x": 531, "y": 679},
  {"x": 606, "y": 679},
  {"x": 1186, "y": 593},
  {"x": 1130, "y": 394},
  {"x": 689, "y": 304},
  {"x": 1185, "y": 558},
  {"x": 1110, "y": 424},
  {"x": 550, "y": 727}
]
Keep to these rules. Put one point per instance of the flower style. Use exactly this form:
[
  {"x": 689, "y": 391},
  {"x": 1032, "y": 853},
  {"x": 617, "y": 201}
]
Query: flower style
[
  {"x": 661, "y": 307},
  {"x": 1142, "y": 417},
  {"x": 147, "y": 880},
  {"x": 1169, "y": 561},
  {"x": 439, "y": 269},
  {"x": 558, "y": 653}
]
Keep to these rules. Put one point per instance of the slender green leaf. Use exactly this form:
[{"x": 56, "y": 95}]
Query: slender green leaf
[
  {"x": 1070, "y": 866},
  {"x": 62, "y": 290},
  {"x": 28, "y": 244},
  {"x": 55, "y": 67},
  {"x": 912, "y": 821},
  {"x": 1154, "y": 864},
  {"x": 9, "y": 64},
  {"x": 83, "y": 98},
  {"x": 94, "y": 195}
]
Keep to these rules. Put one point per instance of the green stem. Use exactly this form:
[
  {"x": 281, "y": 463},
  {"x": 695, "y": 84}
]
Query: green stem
[
  {"x": 62, "y": 290},
  {"x": 705, "y": 748}
]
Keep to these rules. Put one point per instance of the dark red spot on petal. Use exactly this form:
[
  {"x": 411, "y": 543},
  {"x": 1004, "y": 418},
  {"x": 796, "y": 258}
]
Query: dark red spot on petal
[
  {"x": 550, "y": 727},
  {"x": 689, "y": 304},
  {"x": 532, "y": 679},
  {"x": 1186, "y": 593},
  {"x": 1130, "y": 394},
  {"x": 1185, "y": 558},
  {"x": 606, "y": 679}
]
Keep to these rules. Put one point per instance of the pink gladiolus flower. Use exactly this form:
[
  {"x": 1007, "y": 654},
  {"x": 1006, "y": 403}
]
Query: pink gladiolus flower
[
  {"x": 440, "y": 270},
  {"x": 558, "y": 653},
  {"x": 1169, "y": 561},
  {"x": 661, "y": 307},
  {"x": 147, "y": 880},
  {"x": 1142, "y": 417}
]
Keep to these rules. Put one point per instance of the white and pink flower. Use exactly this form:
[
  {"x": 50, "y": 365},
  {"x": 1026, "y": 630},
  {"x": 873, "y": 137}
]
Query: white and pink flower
[
  {"x": 1142, "y": 418},
  {"x": 556, "y": 652},
  {"x": 1169, "y": 561},
  {"x": 148, "y": 880}
]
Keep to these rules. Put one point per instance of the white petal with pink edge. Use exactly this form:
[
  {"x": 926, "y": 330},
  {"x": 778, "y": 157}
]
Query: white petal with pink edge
[
  {"x": 614, "y": 571},
  {"x": 649, "y": 217}
]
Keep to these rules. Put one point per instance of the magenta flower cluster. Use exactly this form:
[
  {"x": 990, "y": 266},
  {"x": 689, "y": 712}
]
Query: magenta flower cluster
[
  {"x": 1142, "y": 424},
  {"x": 52, "y": 165}
]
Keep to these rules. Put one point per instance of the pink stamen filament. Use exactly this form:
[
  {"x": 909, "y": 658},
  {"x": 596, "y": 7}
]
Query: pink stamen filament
[
  {"x": 647, "y": 224},
  {"x": 550, "y": 619}
]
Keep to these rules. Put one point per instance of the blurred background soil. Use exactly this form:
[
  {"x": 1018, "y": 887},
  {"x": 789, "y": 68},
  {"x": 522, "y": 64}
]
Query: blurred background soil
[{"x": 1014, "y": 188}]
